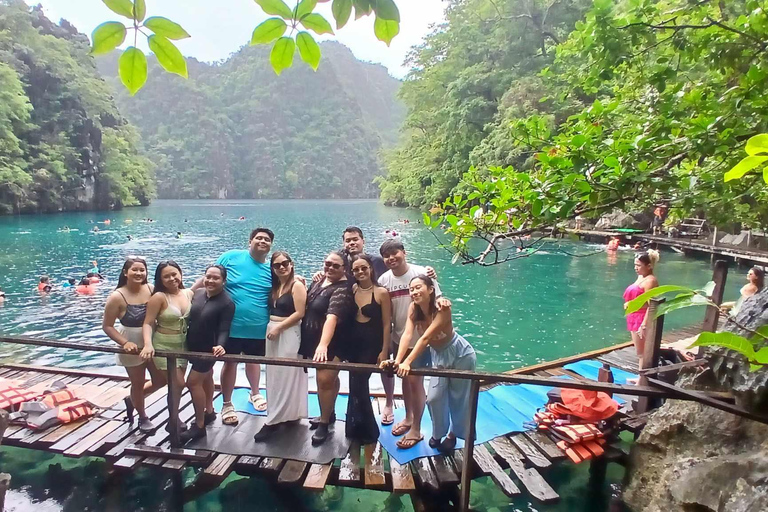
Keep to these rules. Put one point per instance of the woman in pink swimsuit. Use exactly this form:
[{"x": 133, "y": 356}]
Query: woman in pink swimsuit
[{"x": 644, "y": 264}]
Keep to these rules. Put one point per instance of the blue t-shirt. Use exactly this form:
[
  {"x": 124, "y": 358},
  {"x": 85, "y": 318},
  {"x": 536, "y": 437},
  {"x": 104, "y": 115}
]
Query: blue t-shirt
[{"x": 248, "y": 284}]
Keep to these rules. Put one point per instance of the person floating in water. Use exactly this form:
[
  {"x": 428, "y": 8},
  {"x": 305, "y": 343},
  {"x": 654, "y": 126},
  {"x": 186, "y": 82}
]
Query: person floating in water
[
  {"x": 613, "y": 244},
  {"x": 95, "y": 229},
  {"x": 241, "y": 218},
  {"x": 85, "y": 287},
  {"x": 95, "y": 267},
  {"x": 71, "y": 282},
  {"x": 2, "y": 296},
  {"x": 129, "y": 237},
  {"x": 44, "y": 285},
  {"x": 178, "y": 235}
]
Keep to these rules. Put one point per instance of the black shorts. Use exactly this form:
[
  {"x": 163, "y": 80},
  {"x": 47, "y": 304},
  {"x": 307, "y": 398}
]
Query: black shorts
[
  {"x": 247, "y": 346},
  {"x": 201, "y": 365}
]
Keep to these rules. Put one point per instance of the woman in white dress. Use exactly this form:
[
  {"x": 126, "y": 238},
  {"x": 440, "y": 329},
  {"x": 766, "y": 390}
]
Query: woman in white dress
[{"x": 287, "y": 386}]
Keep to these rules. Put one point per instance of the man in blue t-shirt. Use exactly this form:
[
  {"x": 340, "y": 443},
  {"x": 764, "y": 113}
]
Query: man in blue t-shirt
[{"x": 249, "y": 282}]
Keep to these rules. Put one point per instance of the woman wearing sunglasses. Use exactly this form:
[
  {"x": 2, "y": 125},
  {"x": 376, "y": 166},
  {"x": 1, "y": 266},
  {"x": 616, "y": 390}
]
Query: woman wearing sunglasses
[
  {"x": 165, "y": 326},
  {"x": 128, "y": 304},
  {"x": 372, "y": 326},
  {"x": 287, "y": 386},
  {"x": 330, "y": 306}
]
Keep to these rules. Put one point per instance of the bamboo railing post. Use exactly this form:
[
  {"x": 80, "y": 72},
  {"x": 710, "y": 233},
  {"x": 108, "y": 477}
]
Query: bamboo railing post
[
  {"x": 469, "y": 447},
  {"x": 651, "y": 349},
  {"x": 173, "y": 410},
  {"x": 712, "y": 315}
]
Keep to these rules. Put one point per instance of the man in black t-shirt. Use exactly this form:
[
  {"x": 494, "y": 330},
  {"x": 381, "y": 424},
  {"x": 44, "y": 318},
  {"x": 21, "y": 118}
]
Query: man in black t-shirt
[{"x": 354, "y": 243}]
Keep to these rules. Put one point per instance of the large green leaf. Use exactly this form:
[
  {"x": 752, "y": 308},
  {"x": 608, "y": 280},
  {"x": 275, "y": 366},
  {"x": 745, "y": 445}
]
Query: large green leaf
[
  {"x": 708, "y": 289},
  {"x": 165, "y": 27},
  {"x": 276, "y": 8},
  {"x": 304, "y": 7},
  {"x": 132, "y": 68},
  {"x": 342, "y": 10},
  {"x": 386, "y": 30},
  {"x": 317, "y": 23},
  {"x": 386, "y": 10},
  {"x": 757, "y": 145},
  {"x": 683, "y": 301},
  {"x": 139, "y": 10},
  {"x": 121, "y": 7},
  {"x": 107, "y": 36},
  {"x": 281, "y": 56},
  {"x": 268, "y": 31},
  {"x": 308, "y": 49},
  {"x": 639, "y": 302},
  {"x": 743, "y": 167},
  {"x": 168, "y": 55},
  {"x": 728, "y": 340}
]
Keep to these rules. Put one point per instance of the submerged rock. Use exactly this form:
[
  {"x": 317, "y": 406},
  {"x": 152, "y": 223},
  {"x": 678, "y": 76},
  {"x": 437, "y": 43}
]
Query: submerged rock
[{"x": 691, "y": 457}]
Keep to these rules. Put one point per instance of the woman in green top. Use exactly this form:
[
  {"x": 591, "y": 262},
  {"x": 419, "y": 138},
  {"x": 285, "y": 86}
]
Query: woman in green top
[{"x": 165, "y": 326}]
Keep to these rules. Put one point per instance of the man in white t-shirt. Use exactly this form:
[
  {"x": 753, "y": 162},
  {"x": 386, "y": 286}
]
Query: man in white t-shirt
[{"x": 397, "y": 280}]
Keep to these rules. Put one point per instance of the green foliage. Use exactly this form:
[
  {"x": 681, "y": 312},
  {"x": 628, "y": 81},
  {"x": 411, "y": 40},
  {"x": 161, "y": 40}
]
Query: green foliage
[
  {"x": 342, "y": 10},
  {"x": 165, "y": 27},
  {"x": 233, "y": 131},
  {"x": 281, "y": 56},
  {"x": 133, "y": 69},
  {"x": 386, "y": 30},
  {"x": 121, "y": 7},
  {"x": 107, "y": 36},
  {"x": 308, "y": 49},
  {"x": 168, "y": 56},
  {"x": 63, "y": 144},
  {"x": 268, "y": 31}
]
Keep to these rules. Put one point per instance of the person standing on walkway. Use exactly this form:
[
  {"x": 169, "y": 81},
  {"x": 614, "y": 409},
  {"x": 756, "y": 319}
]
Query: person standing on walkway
[
  {"x": 128, "y": 304},
  {"x": 645, "y": 263},
  {"x": 249, "y": 283},
  {"x": 397, "y": 282},
  {"x": 210, "y": 319},
  {"x": 369, "y": 344},
  {"x": 287, "y": 385},
  {"x": 324, "y": 334},
  {"x": 448, "y": 397}
]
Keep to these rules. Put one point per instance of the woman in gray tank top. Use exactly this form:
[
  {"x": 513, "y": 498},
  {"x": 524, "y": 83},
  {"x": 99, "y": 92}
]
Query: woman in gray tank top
[{"x": 128, "y": 304}]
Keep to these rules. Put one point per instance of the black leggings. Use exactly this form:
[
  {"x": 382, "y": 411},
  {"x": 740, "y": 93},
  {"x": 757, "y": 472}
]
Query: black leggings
[{"x": 361, "y": 423}]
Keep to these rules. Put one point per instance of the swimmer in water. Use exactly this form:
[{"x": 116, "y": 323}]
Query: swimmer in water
[
  {"x": 70, "y": 283},
  {"x": 95, "y": 229},
  {"x": 2, "y": 296},
  {"x": 44, "y": 285},
  {"x": 241, "y": 218},
  {"x": 129, "y": 237},
  {"x": 85, "y": 287},
  {"x": 107, "y": 222},
  {"x": 178, "y": 235},
  {"x": 95, "y": 268}
]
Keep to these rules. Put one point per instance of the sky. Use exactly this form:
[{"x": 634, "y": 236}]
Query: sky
[{"x": 220, "y": 28}]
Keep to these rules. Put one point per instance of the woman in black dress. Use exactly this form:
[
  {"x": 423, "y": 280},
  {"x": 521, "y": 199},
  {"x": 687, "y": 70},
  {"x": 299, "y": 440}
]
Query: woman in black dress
[
  {"x": 369, "y": 344},
  {"x": 324, "y": 331}
]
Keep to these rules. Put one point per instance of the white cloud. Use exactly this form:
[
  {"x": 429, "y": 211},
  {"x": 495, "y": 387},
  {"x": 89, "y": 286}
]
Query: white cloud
[{"x": 221, "y": 28}]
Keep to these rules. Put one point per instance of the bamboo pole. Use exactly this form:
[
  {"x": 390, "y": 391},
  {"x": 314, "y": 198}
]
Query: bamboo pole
[
  {"x": 469, "y": 447},
  {"x": 173, "y": 409}
]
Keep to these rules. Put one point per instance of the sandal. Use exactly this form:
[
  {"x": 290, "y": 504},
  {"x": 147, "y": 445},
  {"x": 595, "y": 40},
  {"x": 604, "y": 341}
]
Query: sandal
[
  {"x": 228, "y": 414},
  {"x": 409, "y": 442},
  {"x": 387, "y": 418},
  {"x": 447, "y": 445},
  {"x": 400, "y": 429},
  {"x": 259, "y": 402}
]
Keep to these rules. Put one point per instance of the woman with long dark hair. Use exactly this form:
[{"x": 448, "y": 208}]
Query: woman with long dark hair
[
  {"x": 324, "y": 332},
  {"x": 448, "y": 397},
  {"x": 755, "y": 283},
  {"x": 128, "y": 303},
  {"x": 210, "y": 318},
  {"x": 368, "y": 344},
  {"x": 287, "y": 386},
  {"x": 645, "y": 262},
  {"x": 165, "y": 325}
]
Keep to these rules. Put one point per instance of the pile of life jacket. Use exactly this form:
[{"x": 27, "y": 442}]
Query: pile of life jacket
[
  {"x": 575, "y": 417},
  {"x": 56, "y": 405}
]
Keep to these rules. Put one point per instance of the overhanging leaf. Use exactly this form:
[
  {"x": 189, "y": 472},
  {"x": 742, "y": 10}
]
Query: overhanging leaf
[
  {"x": 281, "y": 56},
  {"x": 107, "y": 36},
  {"x": 168, "y": 56},
  {"x": 743, "y": 167},
  {"x": 386, "y": 30},
  {"x": 708, "y": 289},
  {"x": 317, "y": 23},
  {"x": 309, "y": 50},
  {"x": 305, "y": 7},
  {"x": 757, "y": 145},
  {"x": 342, "y": 10},
  {"x": 276, "y": 8},
  {"x": 386, "y": 10},
  {"x": 362, "y": 8},
  {"x": 639, "y": 302},
  {"x": 684, "y": 301},
  {"x": 268, "y": 31},
  {"x": 139, "y": 10},
  {"x": 121, "y": 7},
  {"x": 132, "y": 68},
  {"x": 165, "y": 27},
  {"x": 728, "y": 340}
]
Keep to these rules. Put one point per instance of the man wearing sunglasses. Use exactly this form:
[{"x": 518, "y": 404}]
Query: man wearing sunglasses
[{"x": 249, "y": 282}]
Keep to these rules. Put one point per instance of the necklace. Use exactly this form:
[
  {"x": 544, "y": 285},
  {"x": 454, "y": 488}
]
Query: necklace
[{"x": 366, "y": 289}]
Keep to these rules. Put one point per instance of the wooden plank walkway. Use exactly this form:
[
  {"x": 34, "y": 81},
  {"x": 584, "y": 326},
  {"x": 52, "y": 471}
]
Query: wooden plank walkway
[{"x": 517, "y": 462}]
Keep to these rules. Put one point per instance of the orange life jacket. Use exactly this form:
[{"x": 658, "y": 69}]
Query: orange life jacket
[
  {"x": 11, "y": 394},
  {"x": 54, "y": 408}
]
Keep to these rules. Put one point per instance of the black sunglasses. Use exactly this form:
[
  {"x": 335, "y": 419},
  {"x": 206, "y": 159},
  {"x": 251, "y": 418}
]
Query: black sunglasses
[
  {"x": 334, "y": 266},
  {"x": 361, "y": 268},
  {"x": 281, "y": 264}
]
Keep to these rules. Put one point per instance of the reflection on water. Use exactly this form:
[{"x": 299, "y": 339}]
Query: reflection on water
[{"x": 537, "y": 308}]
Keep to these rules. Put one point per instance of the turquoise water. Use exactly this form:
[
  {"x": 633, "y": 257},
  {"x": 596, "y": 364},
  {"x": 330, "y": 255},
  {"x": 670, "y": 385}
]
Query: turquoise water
[{"x": 534, "y": 309}]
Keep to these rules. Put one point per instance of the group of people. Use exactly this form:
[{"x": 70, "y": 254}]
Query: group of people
[
  {"x": 85, "y": 286},
  {"x": 360, "y": 308}
]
